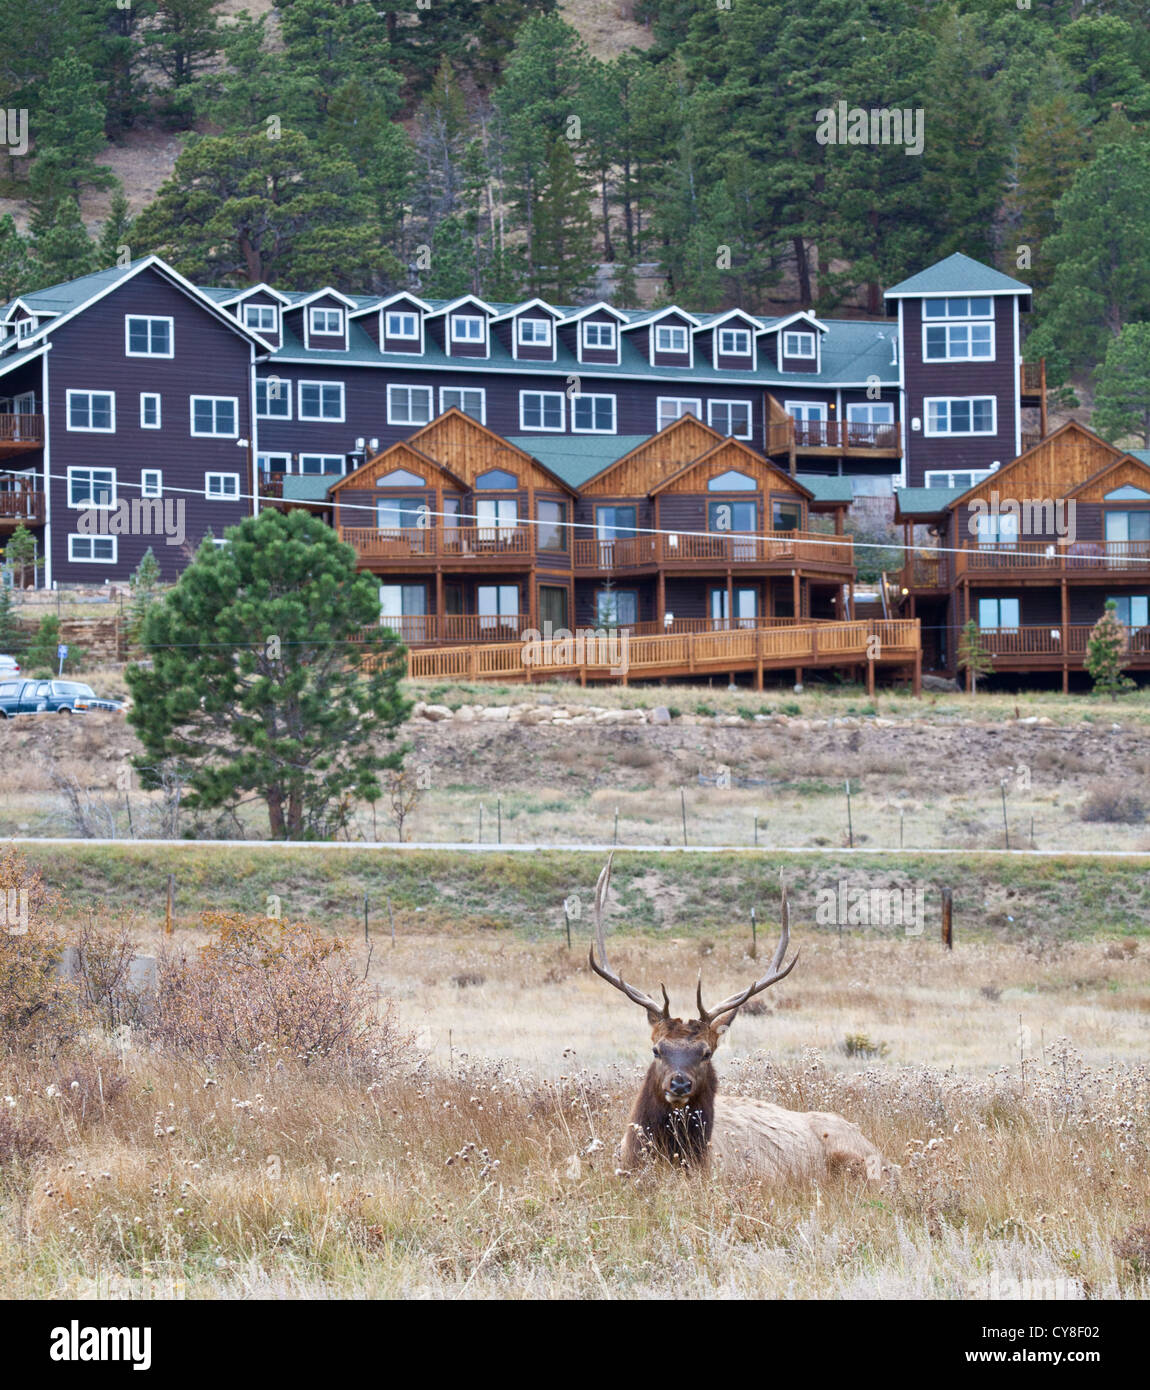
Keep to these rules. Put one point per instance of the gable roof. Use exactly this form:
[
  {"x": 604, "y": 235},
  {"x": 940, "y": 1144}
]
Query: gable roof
[
  {"x": 753, "y": 460},
  {"x": 654, "y": 315},
  {"x": 457, "y": 303},
  {"x": 1128, "y": 470},
  {"x": 577, "y": 458},
  {"x": 374, "y": 306},
  {"x": 403, "y": 447},
  {"x": 958, "y": 274}
]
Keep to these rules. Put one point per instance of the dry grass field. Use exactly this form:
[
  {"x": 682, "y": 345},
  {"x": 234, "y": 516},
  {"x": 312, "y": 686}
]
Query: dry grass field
[{"x": 473, "y": 1153}]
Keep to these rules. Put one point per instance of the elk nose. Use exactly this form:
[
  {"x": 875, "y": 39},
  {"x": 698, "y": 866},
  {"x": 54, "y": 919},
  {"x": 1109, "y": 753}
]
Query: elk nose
[{"x": 680, "y": 1084}]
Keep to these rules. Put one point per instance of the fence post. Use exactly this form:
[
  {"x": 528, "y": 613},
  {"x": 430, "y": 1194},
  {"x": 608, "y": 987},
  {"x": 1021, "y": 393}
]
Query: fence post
[
  {"x": 947, "y": 921},
  {"x": 171, "y": 901}
]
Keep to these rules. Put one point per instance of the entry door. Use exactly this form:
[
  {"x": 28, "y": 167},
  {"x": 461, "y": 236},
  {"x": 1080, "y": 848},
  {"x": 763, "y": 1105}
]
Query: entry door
[
  {"x": 403, "y": 608},
  {"x": 498, "y": 606},
  {"x": 810, "y": 422},
  {"x": 746, "y": 608}
]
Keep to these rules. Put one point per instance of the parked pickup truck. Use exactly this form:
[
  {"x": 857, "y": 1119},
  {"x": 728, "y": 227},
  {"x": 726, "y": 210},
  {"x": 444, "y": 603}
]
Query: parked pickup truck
[{"x": 49, "y": 697}]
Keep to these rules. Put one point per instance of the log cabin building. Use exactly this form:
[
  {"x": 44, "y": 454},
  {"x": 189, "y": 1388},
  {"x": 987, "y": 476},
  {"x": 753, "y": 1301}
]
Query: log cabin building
[{"x": 1031, "y": 553}]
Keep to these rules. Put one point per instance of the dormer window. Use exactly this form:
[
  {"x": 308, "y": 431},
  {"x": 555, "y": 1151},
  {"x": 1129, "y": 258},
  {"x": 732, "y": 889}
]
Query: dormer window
[
  {"x": 496, "y": 478},
  {"x": 735, "y": 342},
  {"x": 261, "y": 318},
  {"x": 599, "y": 335},
  {"x": 401, "y": 324},
  {"x": 535, "y": 332},
  {"x": 670, "y": 338},
  {"x": 799, "y": 345},
  {"x": 327, "y": 322},
  {"x": 466, "y": 328},
  {"x": 25, "y": 328}
]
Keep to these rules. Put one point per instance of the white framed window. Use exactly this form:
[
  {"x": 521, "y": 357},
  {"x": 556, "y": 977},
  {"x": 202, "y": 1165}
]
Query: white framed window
[
  {"x": 730, "y": 417},
  {"x": 670, "y": 337},
  {"x": 320, "y": 400},
  {"x": 400, "y": 323},
  {"x": 262, "y": 318},
  {"x": 273, "y": 398},
  {"x": 958, "y": 307},
  {"x": 599, "y": 335},
  {"x": 541, "y": 410},
  {"x": 99, "y": 550},
  {"x": 534, "y": 332},
  {"x": 91, "y": 487},
  {"x": 146, "y": 336},
  {"x": 466, "y": 328},
  {"x": 998, "y": 614},
  {"x": 964, "y": 478},
  {"x": 222, "y": 486},
  {"x": 958, "y": 342},
  {"x": 671, "y": 408},
  {"x": 149, "y": 410},
  {"x": 998, "y": 529},
  {"x": 216, "y": 415},
  {"x": 961, "y": 415},
  {"x": 799, "y": 345},
  {"x": 326, "y": 323},
  {"x": 151, "y": 482},
  {"x": 471, "y": 400},
  {"x": 322, "y": 463},
  {"x": 735, "y": 342},
  {"x": 496, "y": 516},
  {"x": 274, "y": 465},
  {"x": 1133, "y": 609},
  {"x": 25, "y": 327},
  {"x": 408, "y": 405},
  {"x": 93, "y": 411},
  {"x": 870, "y": 413},
  {"x": 593, "y": 414}
]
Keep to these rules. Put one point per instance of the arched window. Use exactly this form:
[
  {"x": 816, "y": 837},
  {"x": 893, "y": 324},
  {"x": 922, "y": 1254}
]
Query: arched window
[
  {"x": 496, "y": 478},
  {"x": 732, "y": 481},
  {"x": 1127, "y": 493},
  {"x": 400, "y": 477}
]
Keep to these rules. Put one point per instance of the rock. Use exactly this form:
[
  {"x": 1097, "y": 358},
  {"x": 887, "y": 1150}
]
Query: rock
[
  {"x": 731, "y": 721},
  {"x": 465, "y": 714},
  {"x": 942, "y": 684},
  {"x": 1045, "y": 721},
  {"x": 659, "y": 715},
  {"x": 545, "y": 699},
  {"x": 418, "y": 708},
  {"x": 535, "y": 716},
  {"x": 884, "y": 723},
  {"x": 435, "y": 713},
  {"x": 496, "y": 714}
]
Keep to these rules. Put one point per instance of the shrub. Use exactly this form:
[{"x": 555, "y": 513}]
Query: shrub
[
  {"x": 264, "y": 990},
  {"x": 37, "y": 1005},
  {"x": 1115, "y": 803},
  {"x": 860, "y": 1045}
]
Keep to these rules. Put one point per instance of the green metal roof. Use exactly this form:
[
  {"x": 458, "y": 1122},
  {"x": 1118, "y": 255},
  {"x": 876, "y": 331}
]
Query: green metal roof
[
  {"x": 59, "y": 299},
  {"x": 826, "y": 488},
  {"x": 307, "y": 487},
  {"x": 925, "y": 501},
  {"x": 1142, "y": 455},
  {"x": 958, "y": 274},
  {"x": 576, "y": 458}
]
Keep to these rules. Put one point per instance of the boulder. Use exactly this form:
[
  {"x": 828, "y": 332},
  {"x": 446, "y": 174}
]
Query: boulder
[
  {"x": 659, "y": 715},
  {"x": 496, "y": 714},
  {"x": 435, "y": 713},
  {"x": 943, "y": 685}
]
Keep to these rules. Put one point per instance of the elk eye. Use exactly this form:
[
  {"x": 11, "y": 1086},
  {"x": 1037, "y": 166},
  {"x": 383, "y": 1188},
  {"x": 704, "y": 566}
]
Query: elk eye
[
  {"x": 655, "y": 1051},
  {"x": 706, "y": 1054}
]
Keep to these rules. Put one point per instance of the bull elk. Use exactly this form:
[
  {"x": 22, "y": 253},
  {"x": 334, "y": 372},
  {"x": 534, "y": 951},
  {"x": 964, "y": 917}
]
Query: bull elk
[{"x": 679, "y": 1115}]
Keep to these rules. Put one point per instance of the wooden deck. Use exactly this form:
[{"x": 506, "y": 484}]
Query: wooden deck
[
  {"x": 21, "y": 432},
  {"x": 621, "y": 657},
  {"x": 21, "y": 507}
]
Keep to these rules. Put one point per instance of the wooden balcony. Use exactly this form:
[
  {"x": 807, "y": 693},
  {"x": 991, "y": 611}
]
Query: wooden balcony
[
  {"x": 427, "y": 629},
  {"x": 716, "y": 550},
  {"x": 21, "y": 432},
  {"x": 894, "y": 643},
  {"x": 1045, "y": 559},
  {"x": 832, "y": 437},
  {"x": 466, "y": 547},
  {"x": 1053, "y": 644},
  {"x": 1032, "y": 381},
  {"x": 21, "y": 506}
]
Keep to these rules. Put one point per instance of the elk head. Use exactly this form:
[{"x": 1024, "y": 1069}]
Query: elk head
[{"x": 681, "y": 1076}]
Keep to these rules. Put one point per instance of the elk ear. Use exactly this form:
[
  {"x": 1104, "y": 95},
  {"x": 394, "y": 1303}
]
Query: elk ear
[{"x": 719, "y": 1030}]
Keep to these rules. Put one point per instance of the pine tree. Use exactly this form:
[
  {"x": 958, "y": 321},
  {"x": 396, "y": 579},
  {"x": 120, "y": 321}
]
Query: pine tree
[
  {"x": 20, "y": 555},
  {"x": 1122, "y": 397},
  {"x": 145, "y": 585},
  {"x": 114, "y": 246},
  {"x": 69, "y": 134},
  {"x": 15, "y": 260},
  {"x": 182, "y": 40},
  {"x": 1108, "y": 654},
  {"x": 64, "y": 250},
  {"x": 564, "y": 263},
  {"x": 271, "y": 676},
  {"x": 973, "y": 657}
]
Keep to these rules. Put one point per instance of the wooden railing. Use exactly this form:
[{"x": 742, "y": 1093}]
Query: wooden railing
[
  {"x": 1032, "y": 377},
  {"x": 422, "y": 629},
  {"x": 1053, "y": 555},
  {"x": 894, "y": 641},
  {"x": 715, "y": 548},
  {"x": 25, "y": 430},
  {"x": 1054, "y": 640},
  {"x": 844, "y": 436},
  {"x": 22, "y": 504},
  {"x": 481, "y": 544}
]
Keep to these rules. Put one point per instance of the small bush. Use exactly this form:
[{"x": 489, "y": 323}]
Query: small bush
[
  {"x": 466, "y": 978},
  {"x": 265, "y": 990},
  {"x": 706, "y": 711},
  {"x": 860, "y": 1045},
  {"x": 1115, "y": 803},
  {"x": 638, "y": 757}
]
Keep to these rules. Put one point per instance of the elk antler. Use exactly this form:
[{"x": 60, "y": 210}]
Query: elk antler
[
  {"x": 605, "y": 972},
  {"x": 773, "y": 976}
]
